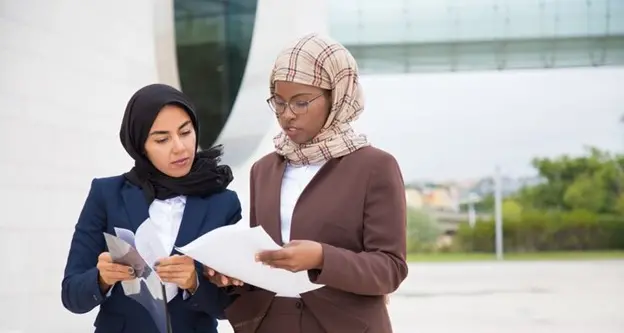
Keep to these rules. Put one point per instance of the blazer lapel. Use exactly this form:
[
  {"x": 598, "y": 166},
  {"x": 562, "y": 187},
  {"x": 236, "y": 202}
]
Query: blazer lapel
[
  {"x": 136, "y": 206},
  {"x": 273, "y": 189},
  {"x": 192, "y": 219},
  {"x": 300, "y": 228}
]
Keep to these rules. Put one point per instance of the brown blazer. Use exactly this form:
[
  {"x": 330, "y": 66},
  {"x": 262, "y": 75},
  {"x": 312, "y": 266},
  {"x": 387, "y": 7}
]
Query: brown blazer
[{"x": 354, "y": 206}]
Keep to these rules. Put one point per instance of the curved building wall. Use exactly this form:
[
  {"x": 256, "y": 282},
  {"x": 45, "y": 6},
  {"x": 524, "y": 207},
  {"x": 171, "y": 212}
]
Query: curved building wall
[{"x": 68, "y": 69}]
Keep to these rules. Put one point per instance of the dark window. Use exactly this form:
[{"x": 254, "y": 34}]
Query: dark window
[{"x": 212, "y": 43}]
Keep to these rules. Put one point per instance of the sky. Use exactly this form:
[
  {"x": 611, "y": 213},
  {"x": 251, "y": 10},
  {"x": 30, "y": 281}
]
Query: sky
[{"x": 457, "y": 126}]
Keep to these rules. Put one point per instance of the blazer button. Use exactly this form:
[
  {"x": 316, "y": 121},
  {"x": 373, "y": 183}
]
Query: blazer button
[
  {"x": 299, "y": 305},
  {"x": 95, "y": 297}
]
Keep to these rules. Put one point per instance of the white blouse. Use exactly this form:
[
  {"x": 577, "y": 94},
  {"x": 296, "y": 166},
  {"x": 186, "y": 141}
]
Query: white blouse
[
  {"x": 295, "y": 180},
  {"x": 166, "y": 216}
]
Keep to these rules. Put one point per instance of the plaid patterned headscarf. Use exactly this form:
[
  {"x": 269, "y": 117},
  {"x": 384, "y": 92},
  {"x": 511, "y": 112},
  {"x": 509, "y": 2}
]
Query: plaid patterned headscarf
[{"x": 324, "y": 63}]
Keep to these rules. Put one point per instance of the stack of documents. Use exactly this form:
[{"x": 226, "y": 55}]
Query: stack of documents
[
  {"x": 231, "y": 251},
  {"x": 147, "y": 288}
]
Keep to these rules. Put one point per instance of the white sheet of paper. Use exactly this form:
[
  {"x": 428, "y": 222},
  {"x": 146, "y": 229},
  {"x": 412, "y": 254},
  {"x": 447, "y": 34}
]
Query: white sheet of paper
[
  {"x": 231, "y": 251},
  {"x": 151, "y": 249},
  {"x": 126, "y": 235},
  {"x": 148, "y": 245},
  {"x": 146, "y": 288}
]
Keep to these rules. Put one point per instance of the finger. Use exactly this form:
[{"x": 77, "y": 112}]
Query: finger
[
  {"x": 292, "y": 243},
  {"x": 111, "y": 267},
  {"x": 225, "y": 280},
  {"x": 237, "y": 282},
  {"x": 176, "y": 278},
  {"x": 266, "y": 256},
  {"x": 216, "y": 282},
  {"x": 173, "y": 268},
  {"x": 173, "y": 275},
  {"x": 175, "y": 259},
  {"x": 211, "y": 272},
  {"x": 105, "y": 257},
  {"x": 117, "y": 276},
  {"x": 283, "y": 264},
  {"x": 121, "y": 268}
]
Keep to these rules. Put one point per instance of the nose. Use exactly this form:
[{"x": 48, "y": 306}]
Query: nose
[
  {"x": 178, "y": 146},
  {"x": 287, "y": 115}
]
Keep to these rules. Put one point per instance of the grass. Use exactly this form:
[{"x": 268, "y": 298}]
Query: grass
[{"x": 459, "y": 257}]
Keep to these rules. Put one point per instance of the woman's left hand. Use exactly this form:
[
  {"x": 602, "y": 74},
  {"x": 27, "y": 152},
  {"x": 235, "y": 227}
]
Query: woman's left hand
[
  {"x": 179, "y": 270},
  {"x": 298, "y": 255}
]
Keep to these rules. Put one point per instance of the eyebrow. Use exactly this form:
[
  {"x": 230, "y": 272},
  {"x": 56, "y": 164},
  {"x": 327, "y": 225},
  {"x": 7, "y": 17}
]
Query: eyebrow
[
  {"x": 293, "y": 96},
  {"x": 167, "y": 132}
]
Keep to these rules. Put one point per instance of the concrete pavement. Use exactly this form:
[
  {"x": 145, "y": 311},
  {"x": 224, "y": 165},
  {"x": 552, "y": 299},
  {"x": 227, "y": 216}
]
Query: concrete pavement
[{"x": 509, "y": 297}]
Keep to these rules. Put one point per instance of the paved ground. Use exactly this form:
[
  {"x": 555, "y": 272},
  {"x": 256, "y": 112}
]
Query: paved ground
[
  {"x": 510, "y": 297},
  {"x": 507, "y": 297}
]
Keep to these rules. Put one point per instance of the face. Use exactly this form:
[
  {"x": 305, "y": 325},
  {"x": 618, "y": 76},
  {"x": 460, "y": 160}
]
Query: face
[
  {"x": 170, "y": 145},
  {"x": 311, "y": 107}
]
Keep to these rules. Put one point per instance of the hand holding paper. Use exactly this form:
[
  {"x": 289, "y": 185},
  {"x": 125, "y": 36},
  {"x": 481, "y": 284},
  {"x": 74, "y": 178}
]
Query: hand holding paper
[
  {"x": 219, "y": 279},
  {"x": 111, "y": 273},
  {"x": 231, "y": 250},
  {"x": 296, "y": 256},
  {"x": 179, "y": 270}
]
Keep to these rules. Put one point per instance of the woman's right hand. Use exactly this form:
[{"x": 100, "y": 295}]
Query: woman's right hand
[
  {"x": 111, "y": 273},
  {"x": 219, "y": 279}
]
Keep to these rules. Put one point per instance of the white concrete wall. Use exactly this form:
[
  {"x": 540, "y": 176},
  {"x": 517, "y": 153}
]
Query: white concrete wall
[{"x": 67, "y": 68}]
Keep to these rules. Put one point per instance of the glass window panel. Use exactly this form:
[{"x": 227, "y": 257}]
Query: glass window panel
[
  {"x": 481, "y": 34},
  {"x": 212, "y": 43}
]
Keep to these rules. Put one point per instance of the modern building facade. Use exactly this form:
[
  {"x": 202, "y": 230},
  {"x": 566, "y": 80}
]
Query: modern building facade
[
  {"x": 406, "y": 36},
  {"x": 446, "y": 81},
  {"x": 68, "y": 69}
]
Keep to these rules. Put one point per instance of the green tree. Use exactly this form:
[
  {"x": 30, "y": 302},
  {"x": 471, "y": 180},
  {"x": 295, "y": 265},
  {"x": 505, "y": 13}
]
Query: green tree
[
  {"x": 512, "y": 211},
  {"x": 592, "y": 182},
  {"x": 586, "y": 193}
]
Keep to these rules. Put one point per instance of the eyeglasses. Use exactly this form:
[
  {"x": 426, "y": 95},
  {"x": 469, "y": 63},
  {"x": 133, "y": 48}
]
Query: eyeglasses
[{"x": 296, "y": 105}]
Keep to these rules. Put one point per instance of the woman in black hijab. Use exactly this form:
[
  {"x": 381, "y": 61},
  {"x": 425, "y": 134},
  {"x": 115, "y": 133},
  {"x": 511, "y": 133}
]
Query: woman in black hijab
[{"x": 176, "y": 190}]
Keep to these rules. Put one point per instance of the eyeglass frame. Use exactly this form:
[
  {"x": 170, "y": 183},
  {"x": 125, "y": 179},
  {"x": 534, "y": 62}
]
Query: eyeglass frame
[{"x": 307, "y": 106}]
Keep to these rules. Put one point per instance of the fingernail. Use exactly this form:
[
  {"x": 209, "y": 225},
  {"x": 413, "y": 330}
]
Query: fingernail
[{"x": 257, "y": 258}]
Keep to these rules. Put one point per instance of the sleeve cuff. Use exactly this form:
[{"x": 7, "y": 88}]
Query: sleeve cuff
[
  {"x": 110, "y": 290},
  {"x": 321, "y": 276},
  {"x": 187, "y": 294},
  {"x": 94, "y": 286}
]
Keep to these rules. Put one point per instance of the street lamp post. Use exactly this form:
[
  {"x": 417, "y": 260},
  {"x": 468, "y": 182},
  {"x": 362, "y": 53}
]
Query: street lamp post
[{"x": 622, "y": 122}]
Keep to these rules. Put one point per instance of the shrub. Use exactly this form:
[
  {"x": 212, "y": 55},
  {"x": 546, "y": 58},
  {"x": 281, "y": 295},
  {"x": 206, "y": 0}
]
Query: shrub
[
  {"x": 423, "y": 231},
  {"x": 546, "y": 231}
]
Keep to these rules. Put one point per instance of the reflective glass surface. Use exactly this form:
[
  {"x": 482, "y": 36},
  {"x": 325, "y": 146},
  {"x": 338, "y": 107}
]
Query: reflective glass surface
[
  {"x": 212, "y": 43},
  {"x": 450, "y": 35}
]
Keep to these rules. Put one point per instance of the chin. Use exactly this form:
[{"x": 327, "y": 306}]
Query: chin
[
  {"x": 298, "y": 139},
  {"x": 178, "y": 173}
]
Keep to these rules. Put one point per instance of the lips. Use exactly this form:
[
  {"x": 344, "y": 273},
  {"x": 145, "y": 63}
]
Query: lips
[
  {"x": 290, "y": 129},
  {"x": 181, "y": 161}
]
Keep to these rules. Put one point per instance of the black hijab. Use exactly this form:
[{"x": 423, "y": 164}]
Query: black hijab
[{"x": 206, "y": 176}]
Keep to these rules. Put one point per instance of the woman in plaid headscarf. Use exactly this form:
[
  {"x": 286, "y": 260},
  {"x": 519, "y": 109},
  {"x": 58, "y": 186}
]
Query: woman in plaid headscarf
[{"x": 335, "y": 203}]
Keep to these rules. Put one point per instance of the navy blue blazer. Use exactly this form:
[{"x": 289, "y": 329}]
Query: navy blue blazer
[{"x": 114, "y": 202}]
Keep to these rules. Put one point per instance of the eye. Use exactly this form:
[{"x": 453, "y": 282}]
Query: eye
[
  {"x": 185, "y": 132},
  {"x": 301, "y": 103},
  {"x": 163, "y": 140}
]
